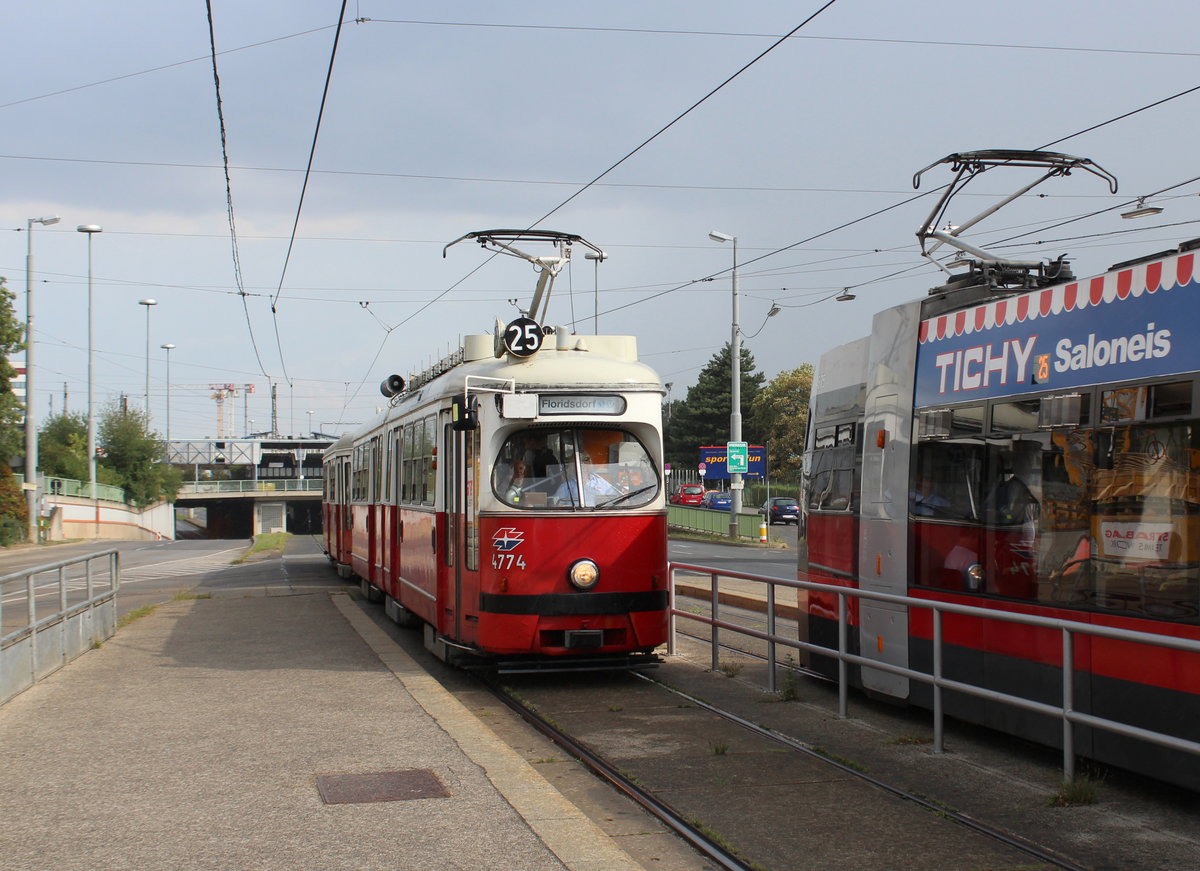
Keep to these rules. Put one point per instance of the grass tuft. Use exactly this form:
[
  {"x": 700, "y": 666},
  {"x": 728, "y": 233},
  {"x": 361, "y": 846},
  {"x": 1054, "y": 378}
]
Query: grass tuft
[
  {"x": 268, "y": 542},
  {"x": 731, "y": 669},
  {"x": 136, "y": 614},
  {"x": 1075, "y": 793}
]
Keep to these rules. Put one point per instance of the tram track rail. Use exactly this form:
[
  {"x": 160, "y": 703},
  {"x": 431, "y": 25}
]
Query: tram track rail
[
  {"x": 1006, "y": 838},
  {"x": 751, "y": 807},
  {"x": 725, "y": 852},
  {"x": 692, "y": 834}
]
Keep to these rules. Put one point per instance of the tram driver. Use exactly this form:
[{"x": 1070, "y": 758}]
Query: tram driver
[{"x": 594, "y": 485}]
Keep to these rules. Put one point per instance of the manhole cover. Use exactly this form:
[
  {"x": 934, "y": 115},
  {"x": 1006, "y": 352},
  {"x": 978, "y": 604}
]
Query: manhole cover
[{"x": 380, "y": 786}]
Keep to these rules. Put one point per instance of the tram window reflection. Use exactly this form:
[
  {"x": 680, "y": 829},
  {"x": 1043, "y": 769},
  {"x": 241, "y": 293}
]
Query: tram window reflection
[
  {"x": 1171, "y": 400},
  {"x": 1103, "y": 519}
]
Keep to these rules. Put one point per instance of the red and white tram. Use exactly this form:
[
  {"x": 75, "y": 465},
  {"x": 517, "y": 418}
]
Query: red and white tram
[
  {"x": 1023, "y": 441},
  {"x": 511, "y": 498}
]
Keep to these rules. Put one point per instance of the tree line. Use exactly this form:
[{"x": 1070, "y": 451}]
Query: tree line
[
  {"x": 129, "y": 454},
  {"x": 774, "y": 413}
]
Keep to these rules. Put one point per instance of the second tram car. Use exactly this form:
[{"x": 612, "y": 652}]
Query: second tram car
[
  {"x": 1031, "y": 448},
  {"x": 512, "y": 499}
]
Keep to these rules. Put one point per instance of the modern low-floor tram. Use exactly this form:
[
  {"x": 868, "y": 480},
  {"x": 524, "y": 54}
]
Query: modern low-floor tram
[{"x": 1028, "y": 449}]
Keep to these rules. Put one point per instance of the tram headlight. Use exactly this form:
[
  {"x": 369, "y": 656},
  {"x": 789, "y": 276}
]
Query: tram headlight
[
  {"x": 974, "y": 577},
  {"x": 584, "y": 574}
]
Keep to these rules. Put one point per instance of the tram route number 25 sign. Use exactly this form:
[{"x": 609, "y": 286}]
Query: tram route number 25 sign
[{"x": 523, "y": 337}]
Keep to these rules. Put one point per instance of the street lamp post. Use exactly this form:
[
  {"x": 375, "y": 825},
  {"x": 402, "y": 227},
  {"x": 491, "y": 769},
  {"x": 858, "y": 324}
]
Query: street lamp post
[
  {"x": 310, "y": 429},
  {"x": 31, "y": 433},
  {"x": 91, "y": 230},
  {"x": 147, "y": 303},
  {"x": 597, "y": 256},
  {"x": 167, "y": 346},
  {"x": 735, "y": 415}
]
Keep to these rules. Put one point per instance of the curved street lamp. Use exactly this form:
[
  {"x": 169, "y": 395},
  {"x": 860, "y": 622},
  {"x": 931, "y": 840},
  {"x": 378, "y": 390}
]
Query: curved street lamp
[{"x": 735, "y": 415}]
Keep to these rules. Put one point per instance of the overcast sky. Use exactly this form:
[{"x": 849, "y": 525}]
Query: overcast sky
[{"x": 444, "y": 118}]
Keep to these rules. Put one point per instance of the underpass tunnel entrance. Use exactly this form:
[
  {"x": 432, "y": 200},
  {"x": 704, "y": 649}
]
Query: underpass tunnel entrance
[{"x": 243, "y": 518}]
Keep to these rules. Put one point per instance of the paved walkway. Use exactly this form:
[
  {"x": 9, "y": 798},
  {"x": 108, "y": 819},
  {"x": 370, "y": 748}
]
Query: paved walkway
[{"x": 205, "y": 736}]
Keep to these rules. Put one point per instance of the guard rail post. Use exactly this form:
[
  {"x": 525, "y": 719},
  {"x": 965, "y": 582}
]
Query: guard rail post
[
  {"x": 939, "y": 731},
  {"x": 670, "y": 612},
  {"x": 843, "y": 666},
  {"x": 1068, "y": 704},
  {"x": 771, "y": 632},
  {"x": 716, "y": 653}
]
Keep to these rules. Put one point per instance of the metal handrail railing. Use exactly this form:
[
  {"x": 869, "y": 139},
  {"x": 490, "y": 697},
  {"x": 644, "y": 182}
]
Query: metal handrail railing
[
  {"x": 268, "y": 485},
  {"x": 1068, "y": 629},
  {"x": 22, "y": 661},
  {"x": 91, "y": 596},
  {"x": 56, "y": 486}
]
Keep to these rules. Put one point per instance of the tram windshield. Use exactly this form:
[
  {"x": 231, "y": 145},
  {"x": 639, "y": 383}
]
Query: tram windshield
[{"x": 542, "y": 468}]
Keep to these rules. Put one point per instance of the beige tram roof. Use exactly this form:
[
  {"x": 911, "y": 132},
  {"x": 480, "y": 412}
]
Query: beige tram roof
[{"x": 565, "y": 362}]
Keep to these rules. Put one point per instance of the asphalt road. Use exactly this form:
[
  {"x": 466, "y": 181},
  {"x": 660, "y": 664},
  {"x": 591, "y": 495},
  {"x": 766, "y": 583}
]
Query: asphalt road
[
  {"x": 774, "y": 561},
  {"x": 154, "y": 572},
  {"x": 151, "y": 572}
]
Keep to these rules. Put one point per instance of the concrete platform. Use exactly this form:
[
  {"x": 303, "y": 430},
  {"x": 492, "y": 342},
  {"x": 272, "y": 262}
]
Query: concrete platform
[{"x": 195, "y": 739}]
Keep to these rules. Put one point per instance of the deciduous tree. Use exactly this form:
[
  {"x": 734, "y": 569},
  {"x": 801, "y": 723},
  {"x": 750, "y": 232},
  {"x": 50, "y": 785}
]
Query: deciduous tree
[
  {"x": 781, "y": 416},
  {"x": 62, "y": 446},
  {"x": 14, "y": 514},
  {"x": 703, "y": 417},
  {"x": 137, "y": 457}
]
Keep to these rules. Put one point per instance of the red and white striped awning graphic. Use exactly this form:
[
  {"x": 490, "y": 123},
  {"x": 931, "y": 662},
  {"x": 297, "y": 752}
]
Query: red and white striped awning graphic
[{"x": 1150, "y": 277}]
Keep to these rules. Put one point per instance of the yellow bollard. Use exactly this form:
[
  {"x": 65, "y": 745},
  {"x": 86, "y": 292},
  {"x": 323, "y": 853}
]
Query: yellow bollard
[{"x": 762, "y": 531}]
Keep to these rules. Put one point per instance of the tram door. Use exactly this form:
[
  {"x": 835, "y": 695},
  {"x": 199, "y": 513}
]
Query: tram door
[{"x": 461, "y": 554}]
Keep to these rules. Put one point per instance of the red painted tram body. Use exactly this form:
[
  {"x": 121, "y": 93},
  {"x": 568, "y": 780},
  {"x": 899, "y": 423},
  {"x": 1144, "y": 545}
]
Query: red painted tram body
[
  {"x": 513, "y": 502},
  {"x": 1026, "y": 450}
]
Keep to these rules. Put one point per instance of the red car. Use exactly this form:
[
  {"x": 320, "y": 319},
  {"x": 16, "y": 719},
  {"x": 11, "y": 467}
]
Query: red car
[{"x": 687, "y": 494}]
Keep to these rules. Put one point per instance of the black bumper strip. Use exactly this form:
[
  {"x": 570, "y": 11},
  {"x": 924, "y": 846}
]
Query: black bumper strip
[{"x": 573, "y": 604}]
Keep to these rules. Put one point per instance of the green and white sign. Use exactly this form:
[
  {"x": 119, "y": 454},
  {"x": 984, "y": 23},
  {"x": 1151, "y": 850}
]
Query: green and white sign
[{"x": 738, "y": 458}]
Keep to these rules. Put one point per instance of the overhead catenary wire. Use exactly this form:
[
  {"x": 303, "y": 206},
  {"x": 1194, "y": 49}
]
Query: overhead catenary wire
[
  {"x": 908, "y": 200},
  {"x": 233, "y": 237},
  {"x": 614, "y": 165},
  {"x": 686, "y": 111},
  {"x": 388, "y": 316},
  {"x": 303, "y": 188}
]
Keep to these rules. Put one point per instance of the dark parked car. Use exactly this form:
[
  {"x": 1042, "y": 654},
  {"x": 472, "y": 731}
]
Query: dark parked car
[
  {"x": 718, "y": 500},
  {"x": 781, "y": 509},
  {"x": 687, "y": 494}
]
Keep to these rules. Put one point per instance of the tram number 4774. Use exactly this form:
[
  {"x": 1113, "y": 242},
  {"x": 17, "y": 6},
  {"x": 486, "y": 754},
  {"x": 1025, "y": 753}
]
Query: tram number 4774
[{"x": 504, "y": 561}]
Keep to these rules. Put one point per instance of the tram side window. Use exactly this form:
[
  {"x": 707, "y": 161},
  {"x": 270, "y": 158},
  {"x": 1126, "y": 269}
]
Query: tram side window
[
  {"x": 949, "y": 481},
  {"x": 429, "y": 455},
  {"x": 376, "y": 469},
  {"x": 832, "y": 482},
  {"x": 543, "y": 468},
  {"x": 1104, "y": 519},
  {"x": 358, "y": 482},
  {"x": 407, "y": 474},
  {"x": 418, "y": 472}
]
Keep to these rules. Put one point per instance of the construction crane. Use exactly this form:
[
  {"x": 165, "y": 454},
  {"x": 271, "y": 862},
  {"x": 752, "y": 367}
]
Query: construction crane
[{"x": 220, "y": 393}]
